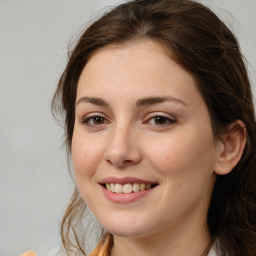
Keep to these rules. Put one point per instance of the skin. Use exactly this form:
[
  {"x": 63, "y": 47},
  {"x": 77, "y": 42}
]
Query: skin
[{"x": 180, "y": 155}]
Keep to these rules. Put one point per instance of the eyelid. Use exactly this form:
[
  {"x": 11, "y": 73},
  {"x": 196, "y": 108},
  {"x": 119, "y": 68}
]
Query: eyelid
[
  {"x": 168, "y": 119},
  {"x": 155, "y": 114},
  {"x": 93, "y": 114},
  {"x": 86, "y": 118}
]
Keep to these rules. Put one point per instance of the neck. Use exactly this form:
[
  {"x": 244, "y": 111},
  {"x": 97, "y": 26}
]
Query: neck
[{"x": 189, "y": 241}]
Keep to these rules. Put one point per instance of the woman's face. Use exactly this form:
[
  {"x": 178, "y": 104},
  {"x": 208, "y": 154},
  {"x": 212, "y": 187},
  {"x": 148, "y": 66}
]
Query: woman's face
[{"x": 141, "y": 122}]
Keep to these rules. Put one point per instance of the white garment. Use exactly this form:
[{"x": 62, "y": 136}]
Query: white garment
[{"x": 212, "y": 252}]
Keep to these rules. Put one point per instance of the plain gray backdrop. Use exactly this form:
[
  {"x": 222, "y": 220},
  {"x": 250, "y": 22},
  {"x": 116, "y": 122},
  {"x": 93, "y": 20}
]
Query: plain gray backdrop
[{"x": 34, "y": 38}]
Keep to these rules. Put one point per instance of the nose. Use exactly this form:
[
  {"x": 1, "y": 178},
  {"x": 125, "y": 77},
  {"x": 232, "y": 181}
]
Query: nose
[{"x": 122, "y": 149}]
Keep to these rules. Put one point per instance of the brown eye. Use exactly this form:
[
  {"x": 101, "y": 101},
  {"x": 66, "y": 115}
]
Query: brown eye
[
  {"x": 162, "y": 120},
  {"x": 94, "y": 121},
  {"x": 97, "y": 120}
]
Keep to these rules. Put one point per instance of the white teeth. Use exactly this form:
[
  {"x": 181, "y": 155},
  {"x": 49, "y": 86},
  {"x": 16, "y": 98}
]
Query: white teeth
[
  {"x": 136, "y": 187},
  {"x": 148, "y": 186},
  {"x": 142, "y": 187},
  {"x": 112, "y": 187},
  {"x": 118, "y": 188},
  {"x": 108, "y": 187},
  {"x": 127, "y": 188}
]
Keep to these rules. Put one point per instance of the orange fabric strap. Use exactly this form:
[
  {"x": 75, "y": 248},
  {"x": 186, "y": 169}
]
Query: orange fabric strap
[
  {"x": 28, "y": 253},
  {"x": 103, "y": 247}
]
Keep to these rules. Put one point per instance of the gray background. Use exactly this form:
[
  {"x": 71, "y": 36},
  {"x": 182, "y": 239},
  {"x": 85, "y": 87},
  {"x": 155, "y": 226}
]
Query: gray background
[{"x": 34, "y": 181}]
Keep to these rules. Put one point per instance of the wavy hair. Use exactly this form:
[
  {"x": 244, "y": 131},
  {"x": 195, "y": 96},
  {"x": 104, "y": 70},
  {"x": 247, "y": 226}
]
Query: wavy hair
[{"x": 202, "y": 44}]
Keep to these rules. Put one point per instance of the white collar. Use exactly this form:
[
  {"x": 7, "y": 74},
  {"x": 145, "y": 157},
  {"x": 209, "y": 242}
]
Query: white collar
[
  {"x": 214, "y": 249},
  {"x": 212, "y": 252}
]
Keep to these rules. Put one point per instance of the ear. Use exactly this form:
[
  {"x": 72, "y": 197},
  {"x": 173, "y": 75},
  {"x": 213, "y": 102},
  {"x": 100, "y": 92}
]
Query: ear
[{"x": 231, "y": 149}]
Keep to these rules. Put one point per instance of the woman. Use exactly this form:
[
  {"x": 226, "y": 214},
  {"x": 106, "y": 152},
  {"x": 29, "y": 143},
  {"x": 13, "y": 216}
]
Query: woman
[{"x": 160, "y": 125}]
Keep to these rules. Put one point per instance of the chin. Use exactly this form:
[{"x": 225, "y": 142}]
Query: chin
[
  {"x": 126, "y": 233},
  {"x": 125, "y": 229}
]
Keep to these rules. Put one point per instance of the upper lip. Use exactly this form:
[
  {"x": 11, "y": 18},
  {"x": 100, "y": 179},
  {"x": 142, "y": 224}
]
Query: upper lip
[{"x": 126, "y": 180}]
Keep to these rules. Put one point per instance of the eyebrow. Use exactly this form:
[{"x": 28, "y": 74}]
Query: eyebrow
[
  {"x": 92, "y": 100},
  {"x": 139, "y": 103},
  {"x": 155, "y": 100}
]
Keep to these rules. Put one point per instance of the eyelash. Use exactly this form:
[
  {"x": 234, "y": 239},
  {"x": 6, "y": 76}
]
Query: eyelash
[
  {"x": 87, "y": 120},
  {"x": 168, "y": 121}
]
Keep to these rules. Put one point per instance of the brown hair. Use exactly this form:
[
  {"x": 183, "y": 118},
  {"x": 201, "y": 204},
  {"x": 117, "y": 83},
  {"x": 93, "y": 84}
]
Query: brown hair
[{"x": 201, "y": 43}]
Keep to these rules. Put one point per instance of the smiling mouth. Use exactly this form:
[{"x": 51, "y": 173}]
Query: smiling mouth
[{"x": 128, "y": 187}]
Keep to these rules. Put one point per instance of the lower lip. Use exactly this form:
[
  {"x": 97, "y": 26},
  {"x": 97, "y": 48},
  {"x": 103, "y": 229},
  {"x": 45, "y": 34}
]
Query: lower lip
[{"x": 125, "y": 198}]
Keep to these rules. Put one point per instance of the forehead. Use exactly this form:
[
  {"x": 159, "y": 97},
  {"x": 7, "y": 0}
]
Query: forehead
[{"x": 143, "y": 67}]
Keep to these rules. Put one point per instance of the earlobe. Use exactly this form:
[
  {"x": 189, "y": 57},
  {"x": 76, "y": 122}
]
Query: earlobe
[{"x": 231, "y": 149}]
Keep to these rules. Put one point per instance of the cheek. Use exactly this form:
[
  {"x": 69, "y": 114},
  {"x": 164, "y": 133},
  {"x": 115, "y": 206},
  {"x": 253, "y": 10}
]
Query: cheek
[
  {"x": 185, "y": 162},
  {"x": 86, "y": 155},
  {"x": 189, "y": 153}
]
